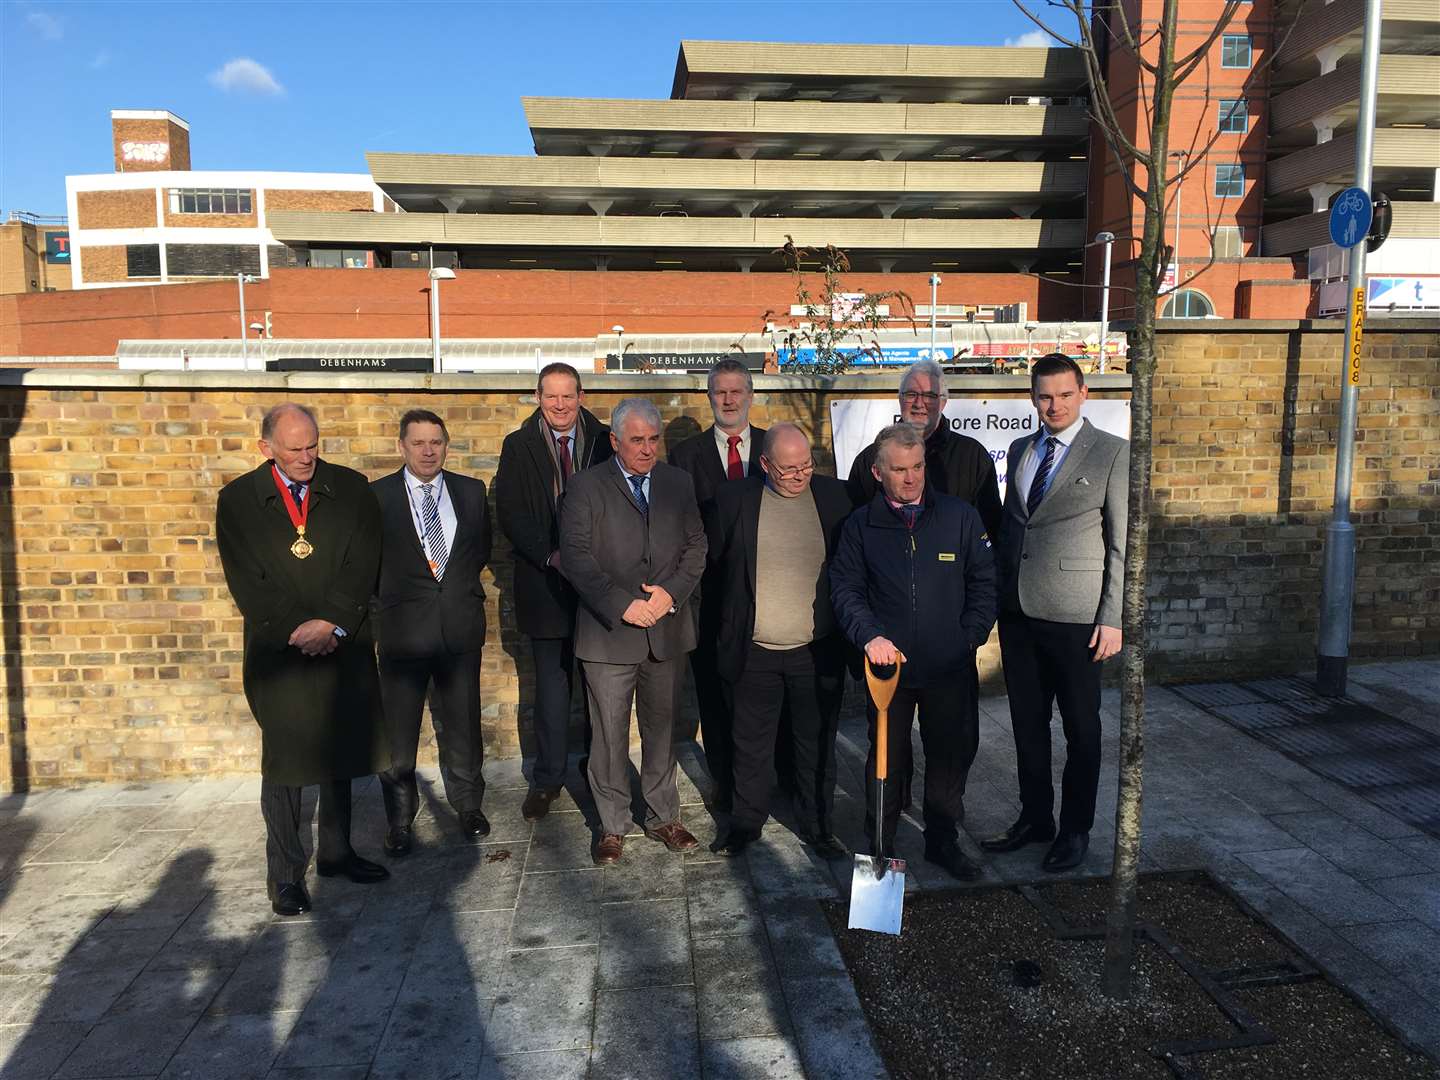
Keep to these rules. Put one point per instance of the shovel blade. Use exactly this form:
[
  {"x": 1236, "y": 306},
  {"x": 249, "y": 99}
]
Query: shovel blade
[{"x": 876, "y": 903}]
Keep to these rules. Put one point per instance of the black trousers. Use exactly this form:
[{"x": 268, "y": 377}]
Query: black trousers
[
  {"x": 715, "y": 730},
  {"x": 950, "y": 737},
  {"x": 554, "y": 686},
  {"x": 801, "y": 682},
  {"x": 286, "y": 815},
  {"x": 453, "y": 682},
  {"x": 1045, "y": 663},
  {"x": 902, "y": 761}
]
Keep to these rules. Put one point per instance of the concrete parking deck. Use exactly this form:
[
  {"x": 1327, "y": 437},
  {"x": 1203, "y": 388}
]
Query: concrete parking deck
[{"x": 136, "y": 940}]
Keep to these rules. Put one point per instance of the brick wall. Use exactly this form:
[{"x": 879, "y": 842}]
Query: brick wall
[
  {"x": 123, "y": 648},
  {"x": 176, "y": 138},
  {"x": 280, "y": 199},
  {"x": 116, "y": 210},
  {"x": 104, "y": 263}
]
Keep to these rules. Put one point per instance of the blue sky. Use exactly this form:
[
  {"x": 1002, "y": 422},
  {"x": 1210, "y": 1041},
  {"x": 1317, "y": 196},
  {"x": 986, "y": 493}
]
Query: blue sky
[{"x": 312, "y": 86}]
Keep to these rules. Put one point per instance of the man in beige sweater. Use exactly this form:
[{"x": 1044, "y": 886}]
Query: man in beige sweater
[{"x": 770, "y": 542}]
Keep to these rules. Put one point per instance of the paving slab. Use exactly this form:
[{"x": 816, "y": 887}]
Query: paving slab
[
  {"x": 665, "y": 1044},
  {"x": 239, "y": 1047},
  {"x": 737, "y": 988},
  {"x": 1334, "y": 896},
  {"x": 547, "y": 1001},
  {"x": 644, "y": 943},
  {"x": 770, "y": 1057},
  {"x": 35, "y": 1051},
  {"x": 540, "y": 1065},
  {"x": 558, "y": 908}
]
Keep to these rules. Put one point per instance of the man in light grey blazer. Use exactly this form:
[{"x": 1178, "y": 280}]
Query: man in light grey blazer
[
  {"x": 1060, "y": 558},
  {"x": 632, "y": 544}
]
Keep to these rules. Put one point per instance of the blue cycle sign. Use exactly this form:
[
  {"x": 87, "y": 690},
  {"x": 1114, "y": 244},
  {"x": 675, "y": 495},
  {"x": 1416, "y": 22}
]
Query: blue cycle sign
[{"x": 1350, "y": 217}]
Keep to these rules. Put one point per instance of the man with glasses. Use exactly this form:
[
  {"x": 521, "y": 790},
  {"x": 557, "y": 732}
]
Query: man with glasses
[
  {"x": 955, "y": 464},
  {"x": 771, "y": 536}
]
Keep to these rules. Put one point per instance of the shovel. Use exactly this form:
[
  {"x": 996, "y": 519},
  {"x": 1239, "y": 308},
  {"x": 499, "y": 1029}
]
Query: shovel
[{"x": 877, "y": 886}]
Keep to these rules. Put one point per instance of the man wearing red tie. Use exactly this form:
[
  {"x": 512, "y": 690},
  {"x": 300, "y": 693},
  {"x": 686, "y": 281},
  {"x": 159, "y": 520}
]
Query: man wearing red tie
[{"x": 727, "y": 450}]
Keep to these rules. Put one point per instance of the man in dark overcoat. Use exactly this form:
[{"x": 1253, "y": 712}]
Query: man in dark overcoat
[
  {"x": 537, "y": 460},
  {"x": 299, "y": 541}
]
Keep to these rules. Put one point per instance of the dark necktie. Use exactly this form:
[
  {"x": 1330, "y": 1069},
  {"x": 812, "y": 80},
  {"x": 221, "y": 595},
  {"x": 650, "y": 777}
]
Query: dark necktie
[
  {"x": 565, "y": 463},
  {"x": 638, "y": 483},
  {"x": 1042, "y": 475},
  {"x": 297, "y": 490},
  {"x": 734, "y": 469},
  {"x": 434, "y": 532}
]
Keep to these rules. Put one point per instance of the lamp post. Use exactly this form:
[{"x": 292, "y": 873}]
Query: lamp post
[
  {"x": 934, "y": 296},
  {"x": 242, "y": 280},
  {"x": 1030, "y": 329},
  {"x": 1108, "y": 239},
  {"x": 1179, "y": 190},
  {"x": 619, "y": 332},
  {"x": 259, "y": 329},
  {"x": 437, "y": 275}
]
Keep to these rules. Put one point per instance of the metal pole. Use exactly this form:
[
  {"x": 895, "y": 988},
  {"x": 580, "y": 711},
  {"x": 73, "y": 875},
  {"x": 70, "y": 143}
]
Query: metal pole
[
  {"x": 435, "y": 325},
  {"x": 1337, "y": 590},
  {"x": 934, "y": 295},
  {"x": 1108, "y": 239},
  {"x": 244, "y": 326},
  {"x": 1179, "y": 191}
]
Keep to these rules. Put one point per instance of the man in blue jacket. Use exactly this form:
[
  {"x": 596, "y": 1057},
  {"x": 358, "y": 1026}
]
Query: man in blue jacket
[{"x": 913, "y": 573}]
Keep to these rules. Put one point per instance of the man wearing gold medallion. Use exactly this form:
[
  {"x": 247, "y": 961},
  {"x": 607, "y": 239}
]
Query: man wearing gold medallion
[{"x": 299, "y": 540}]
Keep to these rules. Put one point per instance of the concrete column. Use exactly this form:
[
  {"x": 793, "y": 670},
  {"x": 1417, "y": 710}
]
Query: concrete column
[
  {"x": 602, "y": 262},
  {"x": 745, "y": 262},
  {"x": 1325, "y": 128},
  {"x": 598, "y": 149},
  {"x": 451, "y": 203},
  {"x": 887, "y": 210},
  {"x": 1025, "y": 210},
  {"x": 887, "y": 265},
  {"x": 1022, "y": 263},
  {"x": 745, "y": 151},
  {"x": 746, "y": 207},
  {"x": 600, "y": 206},
  {"x": 889, "y": 153},
  {"x": 1320, "y": 196},
  {"x": 1329, "y": 57}
]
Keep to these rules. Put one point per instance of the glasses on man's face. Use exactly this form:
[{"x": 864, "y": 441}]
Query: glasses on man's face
[
  {"x": 914, "y": 397},
  {"x": 791, "y": 472}
]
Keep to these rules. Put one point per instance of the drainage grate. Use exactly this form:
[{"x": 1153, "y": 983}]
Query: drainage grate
[{"x": 1394, "y": 765}]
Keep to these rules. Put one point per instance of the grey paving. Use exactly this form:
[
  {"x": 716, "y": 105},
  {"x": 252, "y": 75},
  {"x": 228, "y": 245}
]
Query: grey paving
[{"x": 135, "y": 938}]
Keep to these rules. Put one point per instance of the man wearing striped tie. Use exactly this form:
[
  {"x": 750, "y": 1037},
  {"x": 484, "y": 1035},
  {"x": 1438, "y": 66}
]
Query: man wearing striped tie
[
  {"x": 1061, "y": 561},
  {"x": 431, "y": 625}
]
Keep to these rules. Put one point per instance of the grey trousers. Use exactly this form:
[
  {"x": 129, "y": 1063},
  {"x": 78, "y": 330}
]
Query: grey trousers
[
  {"x": 654, "y": 687},
  {"x": 287, "y": 815}
]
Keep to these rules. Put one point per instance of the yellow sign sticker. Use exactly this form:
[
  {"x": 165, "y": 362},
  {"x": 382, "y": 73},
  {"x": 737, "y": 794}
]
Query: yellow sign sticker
[
  {"x": 947, "y": 556},
  {"x": 1357, "y": 335}
]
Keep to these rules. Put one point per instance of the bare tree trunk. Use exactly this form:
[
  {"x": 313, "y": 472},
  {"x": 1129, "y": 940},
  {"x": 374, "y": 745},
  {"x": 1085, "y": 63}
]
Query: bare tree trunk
[{"x": 1120, "y": 919}]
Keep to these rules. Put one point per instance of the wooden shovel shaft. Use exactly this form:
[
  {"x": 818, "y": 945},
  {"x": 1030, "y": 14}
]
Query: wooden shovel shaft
[{"x": 882, "y": 692}]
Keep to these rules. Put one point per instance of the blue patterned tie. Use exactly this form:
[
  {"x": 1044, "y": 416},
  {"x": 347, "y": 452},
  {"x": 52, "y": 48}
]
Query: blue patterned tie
[
  {"x": 638, "y": 483},
  {"x": 434, "y": 532},
  {"x": 1042, "y": 474},
  {"x": 297, "y": 490}
]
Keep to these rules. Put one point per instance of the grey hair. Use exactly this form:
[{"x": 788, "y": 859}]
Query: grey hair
[
  {"x": 274, "y": 414},
  {"x": 728, "y": 366},
  {"x": 773, "y": 433},
  {"x": 901, "y": 435},
  {"x": 643, "y": 407},
  {"x": 925, "y": 367}
]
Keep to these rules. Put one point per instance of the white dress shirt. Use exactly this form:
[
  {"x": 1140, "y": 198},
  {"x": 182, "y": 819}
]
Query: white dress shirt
[
  {"x": 1030, "y": 463},
  {"x": 644, "y": 484},
  {"x": 722, "y": 442},
  {"x": 287, "y": 482},
  {"x": 448, "y": 521}
]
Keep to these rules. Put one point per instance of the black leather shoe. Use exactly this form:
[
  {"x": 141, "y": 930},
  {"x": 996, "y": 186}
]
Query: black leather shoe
[
  {"x": 537, "y": 802},
  {"x": 288, "y": 897},
  {"x": 1017, "y": 836},
  {"x": 1066, "y": 852},
  {"x": 736, "y": 841},
  {"x": 474, "y": 825},
  {"x": 947, "y": 854},
  {"x": 399, "y": 840},
  {"x": 361, "y": 871},
  {"x": 826, "y": 845}
]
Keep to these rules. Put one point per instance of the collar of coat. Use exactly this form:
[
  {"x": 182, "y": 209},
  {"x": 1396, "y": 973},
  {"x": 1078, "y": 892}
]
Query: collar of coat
[
  {"x": 322, "y": 483},
  {"x": 879, "y": 515}
]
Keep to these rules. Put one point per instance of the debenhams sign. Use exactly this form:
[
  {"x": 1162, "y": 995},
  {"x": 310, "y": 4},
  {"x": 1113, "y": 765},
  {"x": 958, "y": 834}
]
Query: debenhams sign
[
  {"x": 349, "y": 363},
  {"x": 658, "y": 361}
]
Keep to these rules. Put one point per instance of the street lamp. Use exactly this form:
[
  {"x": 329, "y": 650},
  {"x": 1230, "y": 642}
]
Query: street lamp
[
  {"x": 259, "y": 329},
  {"x": 1030, "y": 329},
  {"x": 934, "y": 295},
  {"x": 242, "y": 280},
  {"x": 619, "y": 332},
  {"x": 437, "y": 275},
  {"x": 1179, "y": 190},
  {"x": 1108, "y": 239}
]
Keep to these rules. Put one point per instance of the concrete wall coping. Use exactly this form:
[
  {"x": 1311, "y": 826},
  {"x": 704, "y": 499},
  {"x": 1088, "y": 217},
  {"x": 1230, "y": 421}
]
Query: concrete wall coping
[{"x": 87, "y": 379}]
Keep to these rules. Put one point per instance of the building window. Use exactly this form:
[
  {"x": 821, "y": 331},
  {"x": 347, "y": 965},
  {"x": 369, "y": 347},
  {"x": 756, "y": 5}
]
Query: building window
[
  {"x": 1230, "y": 181},
  {"x": 1188, "y": 304},
  {"x": 210, "y": 200},
  {"x": 142, "y": 260},
  {"x": 1235, "y": 51},
  {"x": 347, "y": 259},
  {"x": 1227, "y": 242},
  {"x": 211, "y": 260},
  {"x": 1234, "y": 116}
]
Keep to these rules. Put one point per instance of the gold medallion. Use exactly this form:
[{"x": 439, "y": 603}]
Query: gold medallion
[{"x": 301, "y": 548}]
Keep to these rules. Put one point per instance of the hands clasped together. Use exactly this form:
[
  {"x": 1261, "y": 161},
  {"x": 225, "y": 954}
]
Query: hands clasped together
[{"x": 650, "y": 611}]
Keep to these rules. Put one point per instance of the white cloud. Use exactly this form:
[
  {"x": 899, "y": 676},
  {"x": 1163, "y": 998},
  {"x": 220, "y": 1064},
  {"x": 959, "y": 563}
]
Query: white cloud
[
  {"x": 1034, "y": 39},
  {"x": 102, "y": 59},
  {"x": 247, "y": 77},
  {"x": 47, "y": 26}
]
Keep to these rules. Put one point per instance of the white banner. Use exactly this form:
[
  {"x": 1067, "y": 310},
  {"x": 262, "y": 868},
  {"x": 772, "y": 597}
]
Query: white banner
[{"x": 994, "y": 422}]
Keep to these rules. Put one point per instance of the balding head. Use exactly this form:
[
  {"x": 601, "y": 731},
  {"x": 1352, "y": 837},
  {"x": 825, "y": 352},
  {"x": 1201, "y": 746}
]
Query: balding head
[
  {"x": 787, "y": 460},
  {"x": 290, "y": 437}
]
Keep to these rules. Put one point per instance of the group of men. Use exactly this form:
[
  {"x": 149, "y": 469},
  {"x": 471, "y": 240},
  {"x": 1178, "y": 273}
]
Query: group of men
[{"x": 360, "y": 600}]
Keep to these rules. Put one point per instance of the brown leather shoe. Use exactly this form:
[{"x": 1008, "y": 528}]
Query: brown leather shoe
[
  {"x": 674, "y": 836},
  {"x": 609, "y": 849},
  {"x": 537, "y": 802}
]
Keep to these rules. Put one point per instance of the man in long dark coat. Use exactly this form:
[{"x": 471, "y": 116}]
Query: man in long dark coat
[{"x": 299, "y": 540}]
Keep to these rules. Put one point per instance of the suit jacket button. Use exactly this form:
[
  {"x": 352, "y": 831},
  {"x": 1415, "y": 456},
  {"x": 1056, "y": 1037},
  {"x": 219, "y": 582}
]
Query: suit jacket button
[{"x": 1024, "y": 555}]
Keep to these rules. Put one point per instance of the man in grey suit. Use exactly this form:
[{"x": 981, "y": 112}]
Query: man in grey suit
[
  {"x": 1061, "y": 561},
  {"x": 633, "y": 546}
]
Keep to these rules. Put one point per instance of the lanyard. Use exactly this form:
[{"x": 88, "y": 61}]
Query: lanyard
[{"x": 298, "y": 514}]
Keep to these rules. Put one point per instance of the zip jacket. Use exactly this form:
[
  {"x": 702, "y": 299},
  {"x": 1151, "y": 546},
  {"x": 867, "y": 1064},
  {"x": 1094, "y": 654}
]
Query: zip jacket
[{"x": 929, "y": 588}]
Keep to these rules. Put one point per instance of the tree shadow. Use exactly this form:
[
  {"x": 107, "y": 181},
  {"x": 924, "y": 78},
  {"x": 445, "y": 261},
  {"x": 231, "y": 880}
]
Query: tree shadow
[
  {"x": 1290, "y": 397},
  {"x": 17, "y": 770}
]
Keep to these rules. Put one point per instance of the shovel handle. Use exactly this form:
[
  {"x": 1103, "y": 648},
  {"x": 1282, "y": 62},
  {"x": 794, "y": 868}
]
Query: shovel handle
[{"x": 882, "y": 692}]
